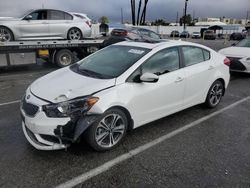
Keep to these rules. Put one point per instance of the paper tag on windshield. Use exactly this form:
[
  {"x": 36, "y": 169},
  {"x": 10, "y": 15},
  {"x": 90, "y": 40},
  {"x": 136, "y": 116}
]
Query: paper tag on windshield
[{"x": 134, "y": 51}]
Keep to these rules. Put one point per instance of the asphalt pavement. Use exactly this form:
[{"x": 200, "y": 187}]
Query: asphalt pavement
[{"x": 213, "y": 153}]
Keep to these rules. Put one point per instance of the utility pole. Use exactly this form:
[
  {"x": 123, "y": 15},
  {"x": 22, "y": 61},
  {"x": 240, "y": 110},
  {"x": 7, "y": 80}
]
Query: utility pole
[
  {"x": 185, "y": 15},
  {"x": 138, "y": 13},
  {"x": 177, "y": 18},
  {"x": 193, "y": 15},
  {"x": 122, "y": 16},
  {"x": 247, "y": 17}
]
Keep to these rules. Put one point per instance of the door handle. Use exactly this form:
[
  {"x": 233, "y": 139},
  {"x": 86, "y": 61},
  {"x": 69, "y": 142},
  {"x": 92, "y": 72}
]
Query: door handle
[
  {"x": 179, "y": 79},
  {"x": 211, "y": 67},
  {"x": 44, "y": 22}
]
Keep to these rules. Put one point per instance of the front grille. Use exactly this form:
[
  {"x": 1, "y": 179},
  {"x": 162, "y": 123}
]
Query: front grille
[
  {"x": 29, "y": 109},
  {"x": 236, "y": 64}
]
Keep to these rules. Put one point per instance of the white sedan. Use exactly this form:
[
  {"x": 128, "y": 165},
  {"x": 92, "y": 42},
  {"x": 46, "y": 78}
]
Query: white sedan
[
  {"x": 43, "y": 24},
  {"x": 239, "y": 55},
  {"x": 119, "y": 88}
]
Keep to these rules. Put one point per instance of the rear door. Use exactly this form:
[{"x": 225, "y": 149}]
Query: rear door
[
  {"x": 59, "y": 23},
  {"x": 199, "y": 71},
  {"x": 37, "y": 27}
]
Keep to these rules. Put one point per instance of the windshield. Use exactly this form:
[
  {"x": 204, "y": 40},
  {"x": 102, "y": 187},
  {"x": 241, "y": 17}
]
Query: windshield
[
  {"x": 244, "y": 43},
  {"x": 21, "y": 15},
  {"x": 110, "y": 62}
]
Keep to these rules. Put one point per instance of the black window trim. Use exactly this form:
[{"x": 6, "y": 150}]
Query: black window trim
[
  {"x": 181, "y": 62},
  {"x": 183, "y": 59}
]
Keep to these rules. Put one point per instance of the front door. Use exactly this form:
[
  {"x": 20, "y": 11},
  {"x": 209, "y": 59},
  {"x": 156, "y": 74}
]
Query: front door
[
  {"x": 155, "y": 100},
  {"x": 36, "y": 27}
]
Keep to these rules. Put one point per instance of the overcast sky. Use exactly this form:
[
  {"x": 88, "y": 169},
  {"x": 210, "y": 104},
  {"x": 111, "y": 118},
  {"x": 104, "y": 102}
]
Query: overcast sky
[{"x": 165, "y": 9}]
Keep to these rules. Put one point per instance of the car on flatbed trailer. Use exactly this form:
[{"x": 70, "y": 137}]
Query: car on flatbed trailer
[{"x": 60, "y": 52}]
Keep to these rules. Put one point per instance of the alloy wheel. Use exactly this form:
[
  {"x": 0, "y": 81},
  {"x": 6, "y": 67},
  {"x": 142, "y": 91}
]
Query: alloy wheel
[
  {"x": 216, "y": 94},
  {"x": 74, "y": 34},
  {"x": 5, "y": 35},
  {"x": 110, "y": 130}
]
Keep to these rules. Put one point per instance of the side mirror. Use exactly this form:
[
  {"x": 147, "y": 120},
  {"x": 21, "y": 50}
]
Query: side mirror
[
  {"x": 28, "y": 17},
  {"x": 149, "y": 77}
]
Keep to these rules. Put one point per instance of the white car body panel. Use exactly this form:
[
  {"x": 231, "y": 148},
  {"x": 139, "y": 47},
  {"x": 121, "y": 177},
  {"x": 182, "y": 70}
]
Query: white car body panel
[
  {"x": 44, "y": 29},
  {"x": 145, "y": 102},
  {"x": 242, "y": 53}
]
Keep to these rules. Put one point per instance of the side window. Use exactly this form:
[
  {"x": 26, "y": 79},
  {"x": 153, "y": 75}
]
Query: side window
[
  {"x": 206, "y": 55},
  {"x": 56, "y": 15},
  {"x": 162, "y": 62},
  {"x": 39, "y": 15},
  {"x": 154, "y": 35},
  {"x": 144, "y": 32},
  {"x": 68, "y": 16},
  {"x": 192, "y": 55}
]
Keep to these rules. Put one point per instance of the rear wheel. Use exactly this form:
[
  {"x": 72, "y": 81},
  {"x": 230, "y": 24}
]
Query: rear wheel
[
  {"x": 74, "y": 34},
  {"x": 64, "y": 58},
  {"x": 5, "y": 34},
  {"x": 108, "y": 131},
  {"x": 215, "y": 94}
]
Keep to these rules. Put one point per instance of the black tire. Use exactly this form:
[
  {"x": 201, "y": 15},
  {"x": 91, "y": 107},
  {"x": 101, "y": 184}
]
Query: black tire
[
  {"x": 214, "y": 94},
  {"x": 96, "y": 130},
  {"x": 64, "y": 58},
  {"x": 74, "y": 34},
  {"x": 5, "y": 32}
]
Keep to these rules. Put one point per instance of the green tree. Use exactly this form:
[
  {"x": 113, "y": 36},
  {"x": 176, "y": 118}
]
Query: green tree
[
  {"x": 160, "y": 22},
  {"x": 189, "y": 20},
  {"x": 104, "y": 20}
]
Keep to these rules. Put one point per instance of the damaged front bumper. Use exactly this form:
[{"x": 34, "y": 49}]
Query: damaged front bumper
[{"x": 46, "y": 133}]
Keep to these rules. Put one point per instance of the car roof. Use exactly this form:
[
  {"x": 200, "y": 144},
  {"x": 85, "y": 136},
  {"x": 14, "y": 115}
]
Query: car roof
[{"x": 161, "y": 43}]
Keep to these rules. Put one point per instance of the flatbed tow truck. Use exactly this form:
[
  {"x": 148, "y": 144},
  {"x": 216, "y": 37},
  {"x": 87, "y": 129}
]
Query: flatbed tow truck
[{"x": 60, "y": 52}]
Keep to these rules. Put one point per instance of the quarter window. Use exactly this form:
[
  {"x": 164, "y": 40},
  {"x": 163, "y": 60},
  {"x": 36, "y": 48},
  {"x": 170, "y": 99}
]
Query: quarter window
[
  {"x": 206, "y": 55},
  {"x": 162, "y": 62}
]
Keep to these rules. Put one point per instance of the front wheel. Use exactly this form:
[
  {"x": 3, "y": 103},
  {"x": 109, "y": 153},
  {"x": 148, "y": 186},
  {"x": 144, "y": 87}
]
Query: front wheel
[
  {"x": 5, "y": 35},
  {"x": 215, "y": 94},
  {"x": 108, "y": 131}
]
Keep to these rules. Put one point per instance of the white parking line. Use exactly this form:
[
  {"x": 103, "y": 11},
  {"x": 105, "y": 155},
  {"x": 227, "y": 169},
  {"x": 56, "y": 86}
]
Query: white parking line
[
  {"x": 106, "y": 166},
  {"x": 8, "y": 103}
]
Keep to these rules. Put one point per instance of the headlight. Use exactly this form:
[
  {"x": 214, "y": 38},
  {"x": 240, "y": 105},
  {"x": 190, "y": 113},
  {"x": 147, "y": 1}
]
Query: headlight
[{"x": 72, "y": 107}]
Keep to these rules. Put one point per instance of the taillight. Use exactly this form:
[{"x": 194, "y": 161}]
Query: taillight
[
  {"x": 125, "y": 33},
  {"x": 227, "y": 61},
  {"x": 88, "y": 23}
]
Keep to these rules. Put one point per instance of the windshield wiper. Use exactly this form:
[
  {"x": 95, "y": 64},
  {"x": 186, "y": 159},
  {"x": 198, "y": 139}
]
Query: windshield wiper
[{"x": 93, "y": 74}]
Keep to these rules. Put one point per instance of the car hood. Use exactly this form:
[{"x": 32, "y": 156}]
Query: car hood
[
  {"x": 69, "y": 84},
  {"x": 240, "y": 52},
  {"x": 8, "y": 19}
]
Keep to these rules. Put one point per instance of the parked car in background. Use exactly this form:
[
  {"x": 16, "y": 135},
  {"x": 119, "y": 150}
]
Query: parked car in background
[
  {"x": 84, "y": 17},
  {"x": 119, "y": 88},
  {"x": 239, "y": 54},
  {"x": 196, "y": 35},
  {"x": 237, "y": 36},
  {"x": 175, "y": 33},
  {"x": 209, "y": 35},
  {"x": 44, "y": 24},
  {"x": 131, "y": 34},
  {"x": 184, "y": 34}
]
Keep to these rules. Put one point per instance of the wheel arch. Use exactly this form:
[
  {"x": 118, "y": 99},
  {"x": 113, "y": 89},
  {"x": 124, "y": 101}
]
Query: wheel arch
[
  {"x": 74, "y": 27},
  {"x": 223, "y": 82},
  {"x": 9, "y": 30},
  {"x": 127, "y": 113}
]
